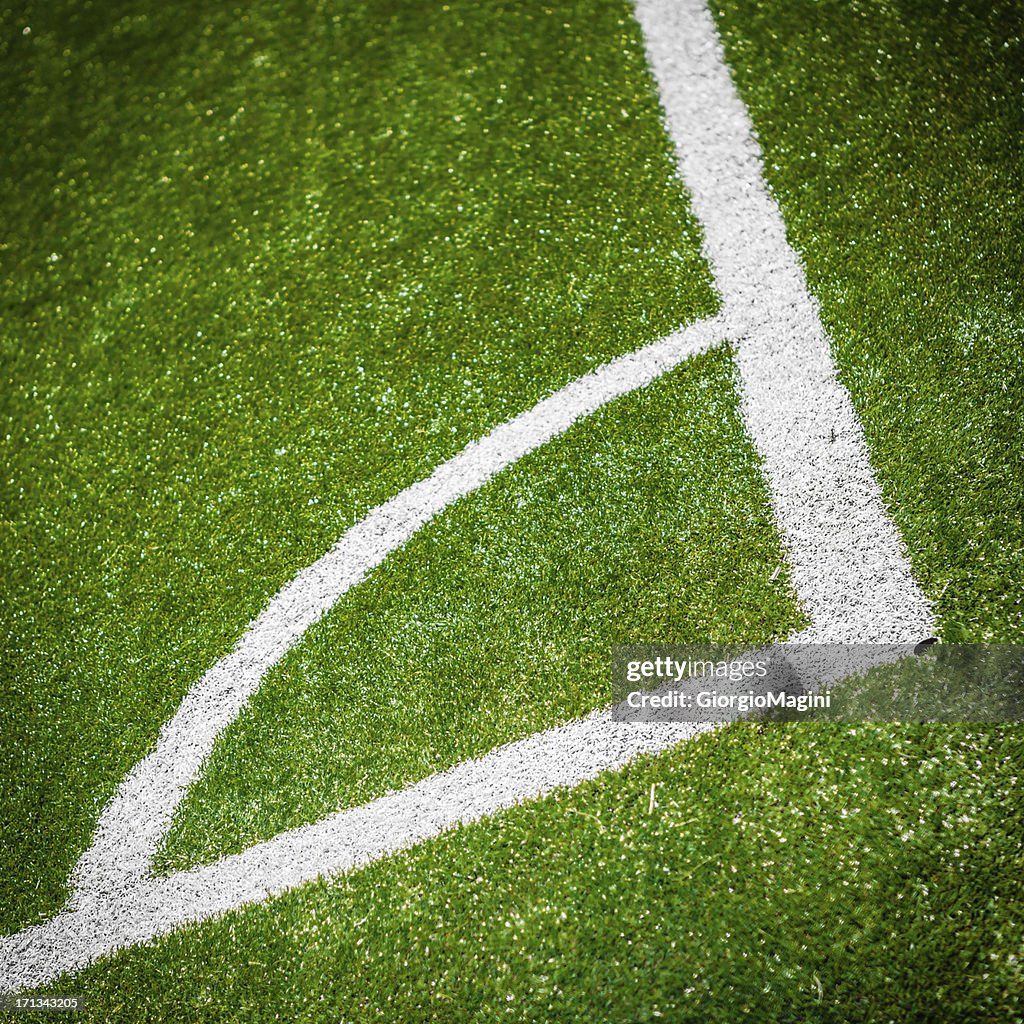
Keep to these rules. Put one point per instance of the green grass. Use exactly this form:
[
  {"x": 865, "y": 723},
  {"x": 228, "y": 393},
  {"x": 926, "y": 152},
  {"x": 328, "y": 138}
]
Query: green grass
[
  {"x": 788, "y": 873},
  {"x": 892, "y": 139}
]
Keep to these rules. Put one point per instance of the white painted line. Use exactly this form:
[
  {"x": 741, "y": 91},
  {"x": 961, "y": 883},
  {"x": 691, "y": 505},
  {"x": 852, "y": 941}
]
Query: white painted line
[
  {"x": 848, "y": 565},
  {"x": 533, "y": 767}
]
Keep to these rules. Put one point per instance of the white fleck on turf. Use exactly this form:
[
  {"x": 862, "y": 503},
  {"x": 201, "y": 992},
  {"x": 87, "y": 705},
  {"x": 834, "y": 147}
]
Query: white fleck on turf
[{"x": 847, "y": 562}]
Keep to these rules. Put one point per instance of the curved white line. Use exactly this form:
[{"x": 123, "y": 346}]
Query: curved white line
[{"x": 135, "y": 820}]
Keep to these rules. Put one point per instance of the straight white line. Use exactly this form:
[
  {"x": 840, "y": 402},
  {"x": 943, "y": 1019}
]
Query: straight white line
[
  {"x": 847, "y": 560},
  {"x": 533, "y": 767},
  {"x": 848, "y": 566}
]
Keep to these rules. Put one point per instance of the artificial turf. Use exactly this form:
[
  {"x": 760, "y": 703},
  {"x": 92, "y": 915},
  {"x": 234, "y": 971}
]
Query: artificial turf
[
  {"x": 792, "y": 873},
  {"x": 649, "y": 518}
]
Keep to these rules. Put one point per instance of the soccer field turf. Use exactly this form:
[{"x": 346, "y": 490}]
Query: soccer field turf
[{"x": 265, "y": 268}]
